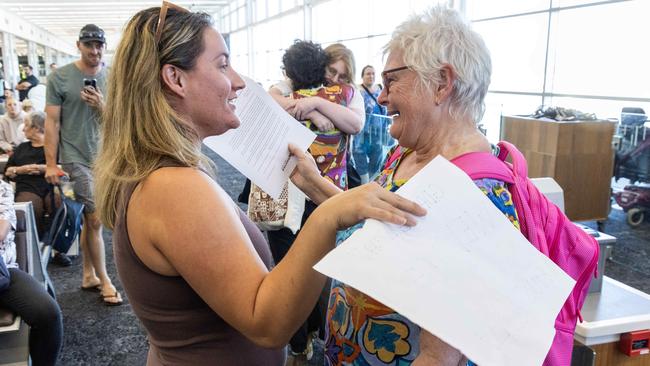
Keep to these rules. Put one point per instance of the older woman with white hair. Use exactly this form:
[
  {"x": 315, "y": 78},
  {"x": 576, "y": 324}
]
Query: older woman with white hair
[{"x": 436, "y": 77}]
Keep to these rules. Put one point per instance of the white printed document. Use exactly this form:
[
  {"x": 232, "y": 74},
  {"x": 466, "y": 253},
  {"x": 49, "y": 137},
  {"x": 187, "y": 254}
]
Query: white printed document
[
  {"x": 258, "y": 148},
  {"x": 464, "y": 272}
]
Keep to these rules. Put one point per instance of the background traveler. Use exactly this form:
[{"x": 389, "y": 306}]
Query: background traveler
[{"x": 72, "y": 133}]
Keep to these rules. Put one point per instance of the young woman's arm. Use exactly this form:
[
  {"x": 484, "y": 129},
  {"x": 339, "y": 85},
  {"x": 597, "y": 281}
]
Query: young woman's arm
[{"x": 182, "y": 223}]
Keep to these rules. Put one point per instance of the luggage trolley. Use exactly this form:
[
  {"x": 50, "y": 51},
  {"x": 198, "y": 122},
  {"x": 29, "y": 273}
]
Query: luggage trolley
[{"x": 632, "y": 161}]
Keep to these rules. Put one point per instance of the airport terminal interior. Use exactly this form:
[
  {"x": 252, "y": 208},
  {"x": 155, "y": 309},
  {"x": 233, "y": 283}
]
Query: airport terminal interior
[{"x": 570, "y": 88}]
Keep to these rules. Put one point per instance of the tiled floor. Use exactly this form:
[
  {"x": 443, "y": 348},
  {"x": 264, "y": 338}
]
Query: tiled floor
[
  {"x": 98, "y": 335},
  {"x": 630, "y": 260}
]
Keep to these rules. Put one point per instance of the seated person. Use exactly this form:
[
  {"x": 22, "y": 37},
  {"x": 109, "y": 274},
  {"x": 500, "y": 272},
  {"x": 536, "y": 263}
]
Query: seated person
[
  {"x": 10, "y": 125},
  {"x": 25, "y": 296},
  {"x": 26, "y": 167}
]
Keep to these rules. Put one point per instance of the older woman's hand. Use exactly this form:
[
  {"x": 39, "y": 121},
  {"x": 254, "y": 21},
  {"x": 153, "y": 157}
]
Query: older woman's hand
[
  {"x": 306, "y": 173},
  {"x": 307, "y": 178}
]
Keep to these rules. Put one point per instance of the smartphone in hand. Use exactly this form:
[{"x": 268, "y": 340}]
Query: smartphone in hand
[{"x": 90, "y": 82}]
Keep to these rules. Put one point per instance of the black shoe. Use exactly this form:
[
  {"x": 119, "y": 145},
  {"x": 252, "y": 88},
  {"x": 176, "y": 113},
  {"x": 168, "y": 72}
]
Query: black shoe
[{"x": 62, "y": 259}]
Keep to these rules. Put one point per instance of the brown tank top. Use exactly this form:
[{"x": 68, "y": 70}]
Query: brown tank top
[{"x": 182, "y": 329}]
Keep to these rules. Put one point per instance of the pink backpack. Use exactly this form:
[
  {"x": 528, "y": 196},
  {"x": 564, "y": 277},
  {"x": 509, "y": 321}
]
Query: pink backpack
[{"x": 549, "y": 230}]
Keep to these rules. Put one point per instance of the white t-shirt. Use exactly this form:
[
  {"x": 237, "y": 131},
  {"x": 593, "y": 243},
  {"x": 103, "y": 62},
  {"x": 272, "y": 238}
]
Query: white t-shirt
[{"x": 356, "y": 104}]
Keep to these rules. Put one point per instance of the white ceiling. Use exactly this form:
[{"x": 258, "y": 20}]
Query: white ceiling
[{"x": 65, "y": 18}]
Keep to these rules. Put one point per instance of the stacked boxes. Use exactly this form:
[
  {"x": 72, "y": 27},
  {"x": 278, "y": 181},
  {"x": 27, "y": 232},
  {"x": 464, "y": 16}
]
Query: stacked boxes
[{"x": 578, "y": 155}]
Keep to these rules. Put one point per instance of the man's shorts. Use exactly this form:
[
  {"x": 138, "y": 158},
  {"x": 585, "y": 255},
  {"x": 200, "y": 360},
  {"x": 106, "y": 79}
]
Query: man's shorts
[{"x": 81, "y": 178}]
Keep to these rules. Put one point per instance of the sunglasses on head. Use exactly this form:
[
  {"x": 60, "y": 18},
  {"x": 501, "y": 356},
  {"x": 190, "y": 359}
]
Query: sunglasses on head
[
  {"x": 91, "y": 35},
  {"x": 166, "y": 5}
]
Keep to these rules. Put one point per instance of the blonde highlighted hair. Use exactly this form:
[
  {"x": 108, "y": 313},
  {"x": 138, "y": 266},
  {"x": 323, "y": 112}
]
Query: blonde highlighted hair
[{"x": 140, "y": 129}]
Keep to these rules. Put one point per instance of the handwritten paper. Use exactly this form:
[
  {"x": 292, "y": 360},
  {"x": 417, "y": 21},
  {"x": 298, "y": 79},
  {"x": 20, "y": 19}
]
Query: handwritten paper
[
  {"x": 258, "y": 148},
  {"x": 464, "y": 272}
]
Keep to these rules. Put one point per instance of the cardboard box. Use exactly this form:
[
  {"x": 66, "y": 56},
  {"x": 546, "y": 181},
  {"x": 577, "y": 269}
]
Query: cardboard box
[{"x": 578, "y": 155}]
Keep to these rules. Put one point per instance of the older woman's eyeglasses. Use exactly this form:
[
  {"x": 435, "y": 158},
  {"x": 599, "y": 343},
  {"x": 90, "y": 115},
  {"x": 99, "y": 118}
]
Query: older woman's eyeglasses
[
  {"x": 385, "y": 73},
  {"x": 166, "y": 5}
]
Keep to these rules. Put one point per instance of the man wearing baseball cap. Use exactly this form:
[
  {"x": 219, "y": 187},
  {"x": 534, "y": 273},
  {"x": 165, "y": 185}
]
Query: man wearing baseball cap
[{"x": 74, "y": 104}]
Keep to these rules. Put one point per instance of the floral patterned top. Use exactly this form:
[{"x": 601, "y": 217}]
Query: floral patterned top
[
  {"x": 7, "y": 212},
  {"x": 362, "y": 331}
]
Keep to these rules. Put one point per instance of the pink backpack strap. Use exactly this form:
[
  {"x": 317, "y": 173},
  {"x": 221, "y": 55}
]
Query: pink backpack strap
[
  {"x": 394, "y": 156},
  {"x": 479, "y": 165},
  {"x": 532, "y": 208},
  {"x": 519, "y": 165}
]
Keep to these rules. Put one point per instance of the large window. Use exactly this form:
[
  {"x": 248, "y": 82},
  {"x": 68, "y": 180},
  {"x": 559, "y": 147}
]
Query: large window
[
  {"x": 589, "y": 55},
  {"x": 22, "y": 52},
  {"x": 478, "y": 9},
  {"x": 602, "y": 50},
  {"x": 518, "y": 49},
  {"x": 239, "y": 51},
  {"x": 2, "y": 63},
  {"x": 362, "y": 25},
  {"x": 257, "y": 44},
  {"x": 581, "y": 54},
  {"x": 39, "y": 70}
]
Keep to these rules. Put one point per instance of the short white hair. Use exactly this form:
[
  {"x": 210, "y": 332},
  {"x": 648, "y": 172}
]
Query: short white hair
[{"x": 441, "y": 36}]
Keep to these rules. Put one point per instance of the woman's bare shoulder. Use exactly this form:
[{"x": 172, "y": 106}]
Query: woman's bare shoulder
[
  {"x": 177, "y": 205},
  {"x": 175, "y": 189}
]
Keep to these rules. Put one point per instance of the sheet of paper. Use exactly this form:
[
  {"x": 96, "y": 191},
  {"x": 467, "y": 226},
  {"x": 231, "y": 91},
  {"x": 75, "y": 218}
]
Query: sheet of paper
[
  {"x": 258, "y": 147},
  {"x": 464, "y": 272}
]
